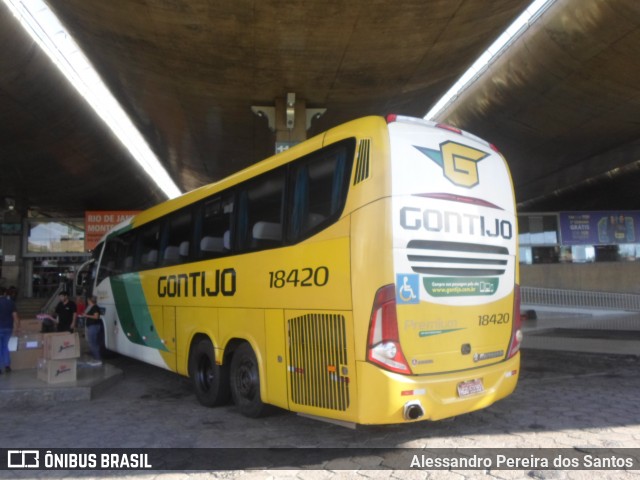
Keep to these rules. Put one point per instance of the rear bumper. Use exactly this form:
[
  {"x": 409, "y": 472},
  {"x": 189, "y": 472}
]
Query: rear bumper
[{"x": 383, "y": 396}]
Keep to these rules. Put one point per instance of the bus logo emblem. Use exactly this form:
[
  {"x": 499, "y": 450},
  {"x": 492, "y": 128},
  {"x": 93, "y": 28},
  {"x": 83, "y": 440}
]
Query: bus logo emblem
[{"x": 459, "y": 162}]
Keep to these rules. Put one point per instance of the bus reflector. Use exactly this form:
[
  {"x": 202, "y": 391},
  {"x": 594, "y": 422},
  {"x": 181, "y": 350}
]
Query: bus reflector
[
  {"x": 516, "y": 332},
  {"x": 410, "y": 393},
  {"x": 383, "y": 345},
  {"x": 449, "y": 127}
]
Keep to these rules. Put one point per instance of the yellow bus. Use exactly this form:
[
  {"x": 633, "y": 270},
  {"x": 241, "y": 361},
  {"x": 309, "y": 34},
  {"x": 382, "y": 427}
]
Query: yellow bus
[{"x": 368, "y": 275}]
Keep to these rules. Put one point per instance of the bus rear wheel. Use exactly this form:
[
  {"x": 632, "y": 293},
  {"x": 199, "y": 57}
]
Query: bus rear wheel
[
  {"x": 245, "y": 382},
  {"x": 211, "y": 381}
]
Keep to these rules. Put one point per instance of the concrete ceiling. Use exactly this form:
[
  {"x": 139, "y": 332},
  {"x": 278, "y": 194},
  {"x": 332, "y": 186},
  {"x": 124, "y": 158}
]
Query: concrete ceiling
[{"x": 562, "y": 104}]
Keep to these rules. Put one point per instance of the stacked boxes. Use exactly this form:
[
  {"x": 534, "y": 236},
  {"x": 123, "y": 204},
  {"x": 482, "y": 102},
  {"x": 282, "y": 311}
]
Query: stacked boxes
[{"x": 60, "y": 352}]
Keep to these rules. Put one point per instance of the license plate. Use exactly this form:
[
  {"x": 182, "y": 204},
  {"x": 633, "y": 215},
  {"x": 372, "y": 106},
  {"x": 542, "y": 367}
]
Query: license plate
[{"x": 470, "y": 387}]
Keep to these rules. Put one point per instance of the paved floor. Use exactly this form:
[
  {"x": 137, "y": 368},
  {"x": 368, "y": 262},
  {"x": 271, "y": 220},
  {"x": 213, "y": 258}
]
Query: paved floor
[{"x": 563, "y": 400}]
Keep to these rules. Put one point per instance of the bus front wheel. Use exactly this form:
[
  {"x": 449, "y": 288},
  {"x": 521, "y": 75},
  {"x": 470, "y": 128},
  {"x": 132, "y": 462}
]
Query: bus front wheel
[
  {"x": 245, "y": 382},
  {"x": 211, "y": 381}
]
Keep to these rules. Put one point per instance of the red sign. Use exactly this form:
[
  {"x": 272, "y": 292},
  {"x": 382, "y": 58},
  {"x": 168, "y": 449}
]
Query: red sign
[{"x": 97, "y": 224}]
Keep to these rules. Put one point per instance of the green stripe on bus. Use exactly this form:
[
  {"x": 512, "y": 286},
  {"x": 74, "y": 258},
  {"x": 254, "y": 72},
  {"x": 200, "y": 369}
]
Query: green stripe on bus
[{"x": 133, "y": 311}]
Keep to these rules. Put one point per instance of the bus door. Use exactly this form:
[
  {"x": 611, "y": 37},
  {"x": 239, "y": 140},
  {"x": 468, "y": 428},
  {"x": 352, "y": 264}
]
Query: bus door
[
  {"x": 168, "y": 336},
  {"x": 275, "y": 360},
  {"x": 83, "y": 281}
]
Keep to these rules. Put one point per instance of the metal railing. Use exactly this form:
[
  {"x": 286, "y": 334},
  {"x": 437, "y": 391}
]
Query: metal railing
[
  {"x": 580, "y": 299},
  {"x": 53, "y": 300}
]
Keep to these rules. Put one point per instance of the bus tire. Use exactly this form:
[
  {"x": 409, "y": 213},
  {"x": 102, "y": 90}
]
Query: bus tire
[
  {"x": 245, "y": 382},
  {"x": 211, "y": 381}
]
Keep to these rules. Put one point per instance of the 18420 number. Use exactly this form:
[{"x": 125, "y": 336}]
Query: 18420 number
[
  {"x": 495, "y": 319},
  {"x": 299, "y": 277}
]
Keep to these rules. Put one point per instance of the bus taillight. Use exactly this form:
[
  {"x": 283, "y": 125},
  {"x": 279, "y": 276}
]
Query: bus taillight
[
  {"x": 383, "y": 345},
  {"x": 516, "y": 332}
]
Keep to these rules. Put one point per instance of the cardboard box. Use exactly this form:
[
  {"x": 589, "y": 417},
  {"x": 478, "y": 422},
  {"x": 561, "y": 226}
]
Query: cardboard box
[
  {"x": 25, "y": 359},
  {"x": 30, "y": 326},
  {"x": 57, "y": 371},
  {"x": 61, "y": 345},
  {"x": 30, "y": 341},
  {"x": 25, "y": 350}
]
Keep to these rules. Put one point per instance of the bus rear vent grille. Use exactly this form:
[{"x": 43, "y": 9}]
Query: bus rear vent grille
[
  {"x": 456, "y": 258},
  {"x": 318, "y": 361},
  {"x": 362, "y": 162}
]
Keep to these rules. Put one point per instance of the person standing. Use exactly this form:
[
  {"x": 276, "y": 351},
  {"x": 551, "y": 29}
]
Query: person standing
[
  {"x": 66, "y": 312},
  {"x": 8, "y": 319},
  {"x": 92, "y": 327},
  {"x": 81, "y": 306}
]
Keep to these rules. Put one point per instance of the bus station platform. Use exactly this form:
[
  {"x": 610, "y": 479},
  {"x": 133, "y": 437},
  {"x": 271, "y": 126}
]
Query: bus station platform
[
  {"x": 23, "y": 387},
  {"x": 582, "y": 330}
]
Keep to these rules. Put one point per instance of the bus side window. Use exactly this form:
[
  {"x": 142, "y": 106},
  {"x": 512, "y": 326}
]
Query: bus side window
[
  {"x": 319, "y": 190},
  {"x": 215, "y": 227},
  {"x": 117, "y": 256},
  {"x": 149, "y": 239},
  {"x": 109, "y": 258},
  {"x": 260, "y": 211},
  {"x": 177, "y": 238},
  {"x": 125, "y": 252}
]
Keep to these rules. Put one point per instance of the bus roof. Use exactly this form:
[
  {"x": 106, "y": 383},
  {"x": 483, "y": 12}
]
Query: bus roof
[{"x": 267, "y": 164}]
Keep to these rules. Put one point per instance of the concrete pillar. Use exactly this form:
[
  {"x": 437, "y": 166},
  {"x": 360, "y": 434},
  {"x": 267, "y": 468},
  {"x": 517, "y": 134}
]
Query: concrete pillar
[
  {"x": 28, "y": 278},
  {"x": 289, "y": 118},
  {"x": 11, "y": 260}
]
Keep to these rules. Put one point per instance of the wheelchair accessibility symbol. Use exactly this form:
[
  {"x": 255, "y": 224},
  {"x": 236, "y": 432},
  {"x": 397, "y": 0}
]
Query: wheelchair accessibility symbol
[{"x": 407, "y": 288}]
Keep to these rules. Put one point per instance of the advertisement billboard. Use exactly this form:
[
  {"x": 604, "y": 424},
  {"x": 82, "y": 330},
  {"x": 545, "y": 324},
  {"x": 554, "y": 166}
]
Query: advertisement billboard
[{"x": 599, "y": 228}]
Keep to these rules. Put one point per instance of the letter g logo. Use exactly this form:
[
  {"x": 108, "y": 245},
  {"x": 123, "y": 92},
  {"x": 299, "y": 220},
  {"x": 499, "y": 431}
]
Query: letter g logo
[{"x": 459, "y": 162}]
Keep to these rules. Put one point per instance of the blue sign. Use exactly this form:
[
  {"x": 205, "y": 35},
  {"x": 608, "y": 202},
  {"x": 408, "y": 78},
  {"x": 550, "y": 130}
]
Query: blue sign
[
  {"x": 407, "y": 288},
  {"x": 599, "y": 228}
]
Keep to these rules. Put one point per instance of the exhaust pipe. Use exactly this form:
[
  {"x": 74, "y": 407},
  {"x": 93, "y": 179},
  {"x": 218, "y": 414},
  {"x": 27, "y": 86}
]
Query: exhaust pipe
[{"x": 413, "y": 410}]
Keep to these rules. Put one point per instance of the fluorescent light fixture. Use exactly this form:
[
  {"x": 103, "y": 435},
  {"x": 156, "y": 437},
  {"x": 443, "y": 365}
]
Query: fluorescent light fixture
[
  {"x": 45, "y": 28},
  {"x": 517, "y": 28}
]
